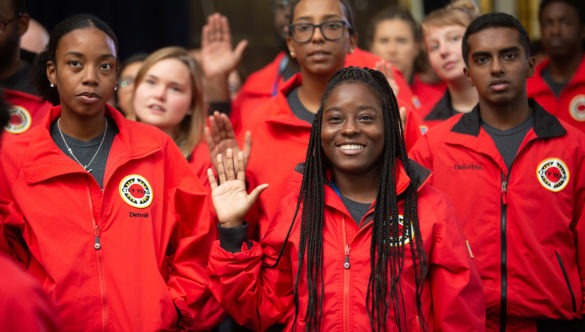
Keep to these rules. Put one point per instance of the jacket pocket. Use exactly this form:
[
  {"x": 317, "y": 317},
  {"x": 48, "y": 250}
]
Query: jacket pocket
[{"x": 574, "y": 304}]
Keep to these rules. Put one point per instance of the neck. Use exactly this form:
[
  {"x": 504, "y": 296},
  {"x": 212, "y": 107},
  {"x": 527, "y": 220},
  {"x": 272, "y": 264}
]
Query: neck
[
  {"x": 82, "y": 128},
  {"x": 407, "y": 74},
  {"x": 312, "y": 90},
  {"x": 10, "y": 67},
  {"x": 505, "y": 116},
  {"x": 562, "y": 68},
  {"x": 362, "y": 188},
  {"x": 463, "y": 95}
]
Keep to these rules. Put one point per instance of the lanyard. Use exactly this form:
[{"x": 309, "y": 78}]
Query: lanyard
[{"x": 281, "y": 68}]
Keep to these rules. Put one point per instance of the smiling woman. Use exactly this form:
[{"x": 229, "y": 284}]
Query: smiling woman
[
  {"x": 128, "y": 219},
  {"x": 361, "y": 243}
]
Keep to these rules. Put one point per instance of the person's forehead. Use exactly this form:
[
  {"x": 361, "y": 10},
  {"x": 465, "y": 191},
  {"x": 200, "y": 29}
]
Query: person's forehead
[
  {"x": 6, "y": 9},
  {"x": 310, "y": 8},
  {"x": 494, "y": 38}
]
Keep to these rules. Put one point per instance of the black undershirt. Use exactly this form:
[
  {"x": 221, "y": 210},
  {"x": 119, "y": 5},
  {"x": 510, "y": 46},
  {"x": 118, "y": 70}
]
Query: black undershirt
[
  {"x": 298, "y": 109},
  {"x": 508, "y": 141}
]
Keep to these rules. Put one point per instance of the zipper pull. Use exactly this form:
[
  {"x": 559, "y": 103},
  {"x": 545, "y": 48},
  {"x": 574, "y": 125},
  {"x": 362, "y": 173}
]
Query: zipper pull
[
  {"x": 505, "y": 192},
  {"x": 346, "y": 265},
  {"x": 97, "y": 245}
]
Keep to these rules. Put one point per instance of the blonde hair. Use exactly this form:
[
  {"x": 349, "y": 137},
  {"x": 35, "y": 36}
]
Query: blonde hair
[
  {"x": 189, "y": 132},
  {"x": 458, "y": 12}
]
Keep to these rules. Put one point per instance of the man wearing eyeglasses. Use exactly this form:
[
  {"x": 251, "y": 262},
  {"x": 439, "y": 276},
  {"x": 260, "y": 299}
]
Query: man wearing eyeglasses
[{"x": 15, "y": 64}]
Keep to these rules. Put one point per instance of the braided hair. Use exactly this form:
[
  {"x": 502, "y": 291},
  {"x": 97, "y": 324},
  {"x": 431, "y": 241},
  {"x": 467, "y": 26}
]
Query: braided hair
[{"x": 387, "y": 246}]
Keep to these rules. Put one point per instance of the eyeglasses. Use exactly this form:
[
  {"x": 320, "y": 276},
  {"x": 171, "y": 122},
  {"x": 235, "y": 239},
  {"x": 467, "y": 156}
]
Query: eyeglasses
[
  {"x": 126, "y": 82},
  {"x": 3, "y": 24},
  {"x": 331, "y": 30}
]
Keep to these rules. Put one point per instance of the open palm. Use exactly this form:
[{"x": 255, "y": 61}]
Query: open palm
[{"x": 230, "y": 198}]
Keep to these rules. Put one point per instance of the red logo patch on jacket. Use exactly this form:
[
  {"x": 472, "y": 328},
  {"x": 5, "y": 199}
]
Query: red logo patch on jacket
[
  {"x": 20, "y": 120},
  {"x": 577, "y": 108},
  {"x": 553, "y": 174},
  {"x": 136, "y": 191}
]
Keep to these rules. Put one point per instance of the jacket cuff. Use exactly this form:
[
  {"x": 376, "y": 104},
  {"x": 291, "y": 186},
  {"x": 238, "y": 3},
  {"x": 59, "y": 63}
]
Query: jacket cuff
[
  {"x": 221, "y": 106},
  {"x": 231, "y": 239}
]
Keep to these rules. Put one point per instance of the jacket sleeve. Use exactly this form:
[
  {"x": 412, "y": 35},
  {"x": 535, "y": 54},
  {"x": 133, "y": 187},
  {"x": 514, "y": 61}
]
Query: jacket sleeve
[
  {"x": 24, "y": 306},
  {"x": 579, "y": 220},
  {"x": 188, "y": 248},
  {"x": 458, "y": 298},
  {"x": 421, "y": 152},
  {"x": 253, "y": 292},
  {"x": 412, "y": 131},
  {"x": 11, "y": 220}
]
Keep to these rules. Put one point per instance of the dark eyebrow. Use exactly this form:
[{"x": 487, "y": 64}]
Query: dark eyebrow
[
  {"x": 480, "y": 53},
  {"x": 326, "y": 18},
  {"x": 510, "y": 49},
  {"x": 81, "y": 55}
]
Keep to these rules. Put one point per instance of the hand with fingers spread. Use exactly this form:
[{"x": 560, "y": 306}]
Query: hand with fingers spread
[
  {"x": 386, "y": 68},
  {"x": 220, "y": 137},
  {"x": 217, "y": 55},
  {"x": 230, "y": 199}
]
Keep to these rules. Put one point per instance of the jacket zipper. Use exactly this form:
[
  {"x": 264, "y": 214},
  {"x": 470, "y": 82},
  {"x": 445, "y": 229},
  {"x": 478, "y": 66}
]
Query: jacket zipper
[
  {"x": 97, "y": 246},
  {"x": 346, "y": 281},
  {"x": 566, "y": 276},
  {"x": 504, "y": 248}
]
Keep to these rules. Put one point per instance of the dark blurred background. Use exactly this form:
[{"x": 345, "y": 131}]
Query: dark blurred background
[{"x": 146, "y": 25}]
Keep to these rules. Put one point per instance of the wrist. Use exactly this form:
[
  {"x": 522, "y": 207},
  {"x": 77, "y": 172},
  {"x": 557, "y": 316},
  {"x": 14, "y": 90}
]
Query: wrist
[{"x": 230, "y": 224}]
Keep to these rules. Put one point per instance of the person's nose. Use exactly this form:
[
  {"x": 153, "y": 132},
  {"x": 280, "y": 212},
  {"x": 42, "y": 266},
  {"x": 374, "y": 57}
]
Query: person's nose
[
  {"x": 350, "y": 127},
  {"x": 160, "y": 92},
  {"x": 496, "y": 67},
  {"x": 90, "y": 76}
]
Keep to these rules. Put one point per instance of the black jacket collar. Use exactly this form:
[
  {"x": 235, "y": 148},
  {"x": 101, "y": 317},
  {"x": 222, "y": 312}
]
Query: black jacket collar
[{"x": 545, "y": 124}]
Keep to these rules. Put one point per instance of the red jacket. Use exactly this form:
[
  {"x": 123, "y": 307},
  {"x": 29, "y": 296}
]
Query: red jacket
[
  {"x": 266, "y": 82},
  {"x": 280, "y": 141},
  {"x": 24, "y": 306},
  {"x": 152, "y": 220},
  {"x": 452, "y": 296},
  {"x": 570, "y": 105},
  {"x": 526, "y": 224},
  {"x": 426, "y": 94},
  {"x": 27, "y": 111},
  {"x": 200, "y": 161}
]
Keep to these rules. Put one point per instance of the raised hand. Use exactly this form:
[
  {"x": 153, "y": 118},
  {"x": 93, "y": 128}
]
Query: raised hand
[
  {"x": 230, "y": 199},
  {"x": 217, "y": 56},
  {"x": 386, "y": 68},
  {"x": 220, "y": 137}
]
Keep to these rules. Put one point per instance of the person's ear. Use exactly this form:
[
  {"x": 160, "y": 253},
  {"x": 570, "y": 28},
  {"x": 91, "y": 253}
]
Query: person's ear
[
  {"x": 531, "y": 66},
  {"x": 51, "y": 72},
  {"x": 289, "y": 43},
  {"x": 352, "y": 43},
  {"x": 467, "y": 75},
  {"x": 23, "y": 22}
]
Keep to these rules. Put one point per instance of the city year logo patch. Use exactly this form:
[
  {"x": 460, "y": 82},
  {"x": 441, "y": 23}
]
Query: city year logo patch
[
  {"x": 136, "y": 191},
  {"x": 577, "y": 108},
  {"x": 20, "y": 120},
  {"x": 553, "y": 174},
  {"x": 403, "y": 234}
]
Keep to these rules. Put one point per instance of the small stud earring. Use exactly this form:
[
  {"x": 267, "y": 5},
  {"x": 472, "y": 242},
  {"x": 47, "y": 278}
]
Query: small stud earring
[
  {"x": 51, "y": 85},
  {"x": 115, "y": 88},
  {"x": 292, "y": 54}
]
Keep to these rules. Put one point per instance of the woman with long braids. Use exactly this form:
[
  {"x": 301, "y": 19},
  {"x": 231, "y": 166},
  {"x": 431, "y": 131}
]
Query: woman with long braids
[{"x": 362, "y": 243}]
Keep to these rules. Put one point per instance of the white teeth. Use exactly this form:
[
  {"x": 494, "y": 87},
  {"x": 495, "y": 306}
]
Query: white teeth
[{"x": 351, "y": 147}]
